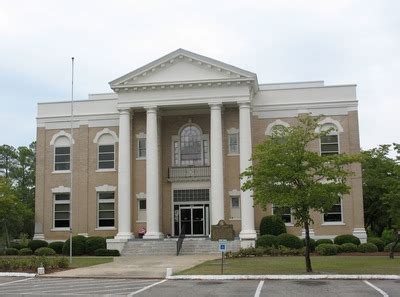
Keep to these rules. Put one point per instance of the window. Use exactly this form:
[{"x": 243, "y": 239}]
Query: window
[
  {"x": 141, "y": 207},
  {"x": 235, "y": 207},
  {"x": 141, "y": 148},
  {"x": 105, "y": 202},
  {"x": 284, "y": 212},
  {"x": 233, "y": 142},
  {"x": 334, "y": 214},
  {"x": 278, "y": 132},
  {"x": 61, "y": 210},
  {"x": 192, "y": 195},
  {"x": 62, "y": 154},
  {"x": 329, "y": 142},
  {"x": 106, "y": 156}
]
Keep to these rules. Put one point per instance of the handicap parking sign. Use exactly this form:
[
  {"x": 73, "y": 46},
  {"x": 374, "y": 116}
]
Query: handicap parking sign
[{"x": 222, "y": 245}]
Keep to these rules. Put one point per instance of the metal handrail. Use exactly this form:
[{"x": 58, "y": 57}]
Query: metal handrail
[{"x": 180, "y": 240}]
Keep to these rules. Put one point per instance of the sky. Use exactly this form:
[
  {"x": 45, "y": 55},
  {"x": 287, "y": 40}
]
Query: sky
[{"x": 341, "y": 42}]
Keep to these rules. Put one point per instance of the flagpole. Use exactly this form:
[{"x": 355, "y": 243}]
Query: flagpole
[{"x": 71, "y": 160}]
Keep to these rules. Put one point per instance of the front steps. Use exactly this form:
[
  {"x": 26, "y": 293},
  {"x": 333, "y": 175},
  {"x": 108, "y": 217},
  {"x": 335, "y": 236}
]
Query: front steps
[{"x": 190, "y": 246}]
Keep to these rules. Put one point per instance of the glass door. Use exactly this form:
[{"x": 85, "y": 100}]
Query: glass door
[
  {"x": 198, "y": 220},
  {"x": 186, "y": 219}
]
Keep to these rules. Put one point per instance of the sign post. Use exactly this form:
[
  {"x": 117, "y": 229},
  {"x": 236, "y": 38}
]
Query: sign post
[{"x": 222, "y": 243}]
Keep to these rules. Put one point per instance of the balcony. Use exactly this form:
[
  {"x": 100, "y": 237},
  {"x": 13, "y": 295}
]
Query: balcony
[{"x": 189, "y": 173}]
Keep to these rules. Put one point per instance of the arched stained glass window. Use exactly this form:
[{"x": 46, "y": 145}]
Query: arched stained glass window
[{"x": 190, "y": 148}]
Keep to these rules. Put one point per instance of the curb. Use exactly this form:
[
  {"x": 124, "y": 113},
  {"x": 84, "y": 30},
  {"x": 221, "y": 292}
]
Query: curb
[
  {"x": 287, "y": 277},
  {"x": 17, "y": 274}
]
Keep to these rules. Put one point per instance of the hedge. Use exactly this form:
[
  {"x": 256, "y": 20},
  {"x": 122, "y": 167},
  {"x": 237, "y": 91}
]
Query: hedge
[
  {"x": 94, "y": 243},
  {"x": 105, "y": 252},
  {"x": 11, "y": 251},
  {"x": 25, "y": 252},
  {"x": 346, "y": 238},
  {"x": 32, "y": 263},
  {"x": 388, "y": 236},
  {"x": 313, "y": 244},
  {"x": 378, "y": 242},
  {"x": 290, "y": 241},
  {"x": 323, "y": 241},
  {"x": 57, "y": 246},
  {"x": 78, "y": 246},
  {"x": 267, "y": 240},
  {"x": 389, "y": 246},
  {"x": 45, "y": 251},
  {"x": 367, "y": 248},
  {"x": 35, "y": 244},
  {"x": 273, "y": 225},
  {"x": 15, "y": 245},
  {"x": 326, "y": 249},
  {"x": 348, "y": 248}
]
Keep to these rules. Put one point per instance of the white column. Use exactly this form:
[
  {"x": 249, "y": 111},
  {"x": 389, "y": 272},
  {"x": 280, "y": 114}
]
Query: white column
[
  {"x": 152, "y": 177},
  {"x": 124, "y": 176},
  {"x": 248, "y": 233},
  {"x": 217, "y": 174}
]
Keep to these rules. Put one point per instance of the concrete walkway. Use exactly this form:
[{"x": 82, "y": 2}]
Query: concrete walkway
[{"x": 137, "y": 267}]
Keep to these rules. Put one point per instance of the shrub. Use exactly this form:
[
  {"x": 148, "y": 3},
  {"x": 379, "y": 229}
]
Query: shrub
[
  {"x": 78, "y": 245},
  {"x": 25, "y": 252},
  {"x": 57, "y": 246},
  {"x": 11, "y": 251},
  {"x": 273, "y": 225},
  {"x": 24, "y": 240},
  {"x": 389, "y": 246},
  {"x": 15, "y": 245},
  {"x": 45, "y": 251},
  {"x": 378, "y": 242},
  {"x": 323, "y": 241},
  {"x": 267, "y": 240},
  {"x": 348, "y": 248},
  {"x": 346, "y": 238},
  {"x": 313, "y": 244},
  {"x": 32, "y": 263},
  {"x": 290, "y": 241},
  {"x": 105, "y": 252},
  {"x": 35, "y": 244},
  {"x": 388, "y": 236},
  {"x": 326, "y": 249},
  {"x": 94, "y": 243},
  {"x": 339, "y": 248},
  {"x": 367, "y": 248}
]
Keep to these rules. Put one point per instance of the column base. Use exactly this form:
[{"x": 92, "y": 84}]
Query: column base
[
  {"x": 248, "y": 235},
  {"x": 361, "y": 234},
  {"x": 38, "y": 236},
  {"x": 124, "y": 235},
  {"x": 153, "y": 235},
  {"x": 303, "y": 233}
]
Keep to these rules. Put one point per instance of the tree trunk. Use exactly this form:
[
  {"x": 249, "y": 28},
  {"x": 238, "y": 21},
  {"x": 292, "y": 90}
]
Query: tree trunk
[
  {"x": 391, "y": 255},
  {"x": 307, "y": 253}
]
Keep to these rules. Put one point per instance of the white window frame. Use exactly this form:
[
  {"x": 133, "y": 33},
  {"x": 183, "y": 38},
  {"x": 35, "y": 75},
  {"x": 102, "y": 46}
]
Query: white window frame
[
  {"x": 98, "y": 227},
  {"x": 235, "y": 133},
  {"x": 332, "y": 133},
  {"x": 56, "y": 191},
  {"x": 98, "y": 158},
  {"x": 141, "y": 213},
  {"x": 337, "y": 223},
  {"x": 140, "y": 137},
  {"x": 290, "y": 224},
  {"x": 96, "y": 141},
  {"x": 235, "y": 212},
  {"x": 54, "y": 160}
]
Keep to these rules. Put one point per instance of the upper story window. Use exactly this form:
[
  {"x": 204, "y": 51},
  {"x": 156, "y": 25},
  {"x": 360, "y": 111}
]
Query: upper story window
[
  {"x": 62, "y": 154},
  {"x": 277, "y": 130},
  {"x": 233, "y": 141},
  {"x": 330, "y": 141},
  {"x": 105, "y": 140},
  {"x": 190, "y": 147},
  {"x": 141, "y": 146},
  {"x": 61, "y": 210}
]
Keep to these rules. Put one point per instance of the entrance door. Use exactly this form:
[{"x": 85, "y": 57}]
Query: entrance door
[
  {"x": 198, "y": 220},
  {"x": 186, "y": 220},
  {"x": 192, "y": 219}
]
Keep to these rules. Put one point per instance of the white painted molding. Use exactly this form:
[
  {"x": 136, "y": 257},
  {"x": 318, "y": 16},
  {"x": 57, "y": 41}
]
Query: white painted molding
[
  {"x": 59, "y": 134},
  {"x": 232, "y": 131},
  {"x": 234, "y": 193},
  {"x": 277, "y": 122},
  {"x": 329, "y": 120},
  {"x": 141, "y": 195},
  {"x": 141, "y": 135},
  {"x": 61, "y": 189},
  {"x": 106, "y": 188},
  {"x": 105, "y": 131}
]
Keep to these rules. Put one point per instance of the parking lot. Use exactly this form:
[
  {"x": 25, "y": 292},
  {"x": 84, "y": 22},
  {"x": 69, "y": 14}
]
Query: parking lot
[{"x": 43, "y": 286}]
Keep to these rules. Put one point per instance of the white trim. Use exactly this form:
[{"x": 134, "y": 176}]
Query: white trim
[
  {"x": 105, "y": 228},
  {"x": 141, "y": 195},
  {"x": 233, "y": 131},
  {"x": 290, "y": 224},
  {"x": 105, "y": 131},
  {"x": 333, "y": 224},
  {"x": 277, "y": 122},
  {"x": 106, "y": 170},
  {"x": 234, "y": 192},
  {"x": 59, "y": 134},
  {"x": 329, "y": 120},
  {"x": 59, "y": 229},
  {"x": 141, "y": 135},
  {"x": 106, "y": 188},
  {"x": 60, "y": 189},
  {"x": 98, "y": 158},
  {"x": 61, "y": 171}
]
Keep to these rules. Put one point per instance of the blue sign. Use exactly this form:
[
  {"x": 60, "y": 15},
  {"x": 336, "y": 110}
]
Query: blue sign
[{"x": 222, "y": 245}]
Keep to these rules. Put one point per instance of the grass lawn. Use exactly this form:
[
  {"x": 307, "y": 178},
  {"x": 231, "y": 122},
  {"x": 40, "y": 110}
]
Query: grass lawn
[
  {"x": 78, "y": 262},
  {"x": 296, "y": 265}
]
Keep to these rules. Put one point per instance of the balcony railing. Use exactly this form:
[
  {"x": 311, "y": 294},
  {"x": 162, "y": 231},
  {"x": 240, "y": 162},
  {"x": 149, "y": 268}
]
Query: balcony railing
[{"x": 189, "y": 173}]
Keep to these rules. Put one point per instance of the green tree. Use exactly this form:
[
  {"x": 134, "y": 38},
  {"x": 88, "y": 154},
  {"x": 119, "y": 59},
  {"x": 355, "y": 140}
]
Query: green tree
[
  {"x": 287, "y": 173},
  {"x": 8, "y": 156}
]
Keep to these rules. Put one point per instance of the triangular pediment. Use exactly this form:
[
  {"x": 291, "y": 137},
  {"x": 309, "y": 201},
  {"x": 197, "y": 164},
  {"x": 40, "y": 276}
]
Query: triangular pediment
[{"x": 182, "y": 66}]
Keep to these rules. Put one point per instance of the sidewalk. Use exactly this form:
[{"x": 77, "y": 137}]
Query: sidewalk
[{"x": 137, "y": 267}]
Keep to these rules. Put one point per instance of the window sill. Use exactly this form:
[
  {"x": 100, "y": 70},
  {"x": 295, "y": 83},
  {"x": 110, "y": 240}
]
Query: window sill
[
  {"x": 141, "y": 158},
  {"x": 61, "y": 171},
  {"x": 233, "y": 154},
  {"x": 105, "y": 229},
  {"x": 59, "y": 229},
  {"x": 333, "y": 224},
  {"x": 141, "y": 222},
  {"x": 289, "y": 224},
  {"x": 106, "y": 170},
  {"x": 234, "y": 219}
]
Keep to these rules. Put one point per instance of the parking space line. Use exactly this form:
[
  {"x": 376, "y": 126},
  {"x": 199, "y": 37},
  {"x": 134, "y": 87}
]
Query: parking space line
[
  {"x": 376, "y": 288},
  {"x": 16, "y": 281},
  {"x": 259, "y": 287},
  {"x": 146, "y": 288}
]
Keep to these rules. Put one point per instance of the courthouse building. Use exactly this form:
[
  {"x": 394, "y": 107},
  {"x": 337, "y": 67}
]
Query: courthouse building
[{"x": 163, "y": 151}]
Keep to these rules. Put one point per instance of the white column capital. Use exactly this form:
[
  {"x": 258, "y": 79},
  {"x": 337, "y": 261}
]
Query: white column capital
[
  {"x": 124, "y": 111},
  {"x": 244, "y": 104},
  {"x": 150, "y": 108},
  {"x": 215, "y": 105}
]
